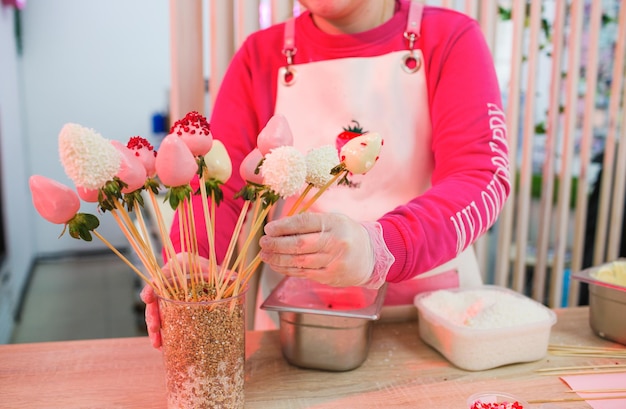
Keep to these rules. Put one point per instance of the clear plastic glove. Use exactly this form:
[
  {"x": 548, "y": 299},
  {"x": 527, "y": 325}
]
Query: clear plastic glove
[{"x": 328, "y": 248}]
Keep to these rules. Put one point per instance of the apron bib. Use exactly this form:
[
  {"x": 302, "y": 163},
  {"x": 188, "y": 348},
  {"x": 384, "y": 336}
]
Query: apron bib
[{"x": 383, "y": 96}]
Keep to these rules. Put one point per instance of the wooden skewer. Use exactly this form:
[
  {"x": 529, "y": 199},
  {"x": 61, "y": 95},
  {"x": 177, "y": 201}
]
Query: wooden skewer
[
  {"x": 585, "y": 348},
  {"x": 584, "y": 372},
  {"x": 576, "y": 399},
  {"x": 588, "y": 352},
  {"x": 567, "y": 368},
  {"x": 596, "y": 391}
]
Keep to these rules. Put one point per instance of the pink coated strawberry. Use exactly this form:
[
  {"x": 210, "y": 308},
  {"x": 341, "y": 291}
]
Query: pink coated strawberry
[
  {"x": 175, "y": 164},
  {"x": 195, "y": 131},
  {"x": 87, "y": 195},
  {"x": 145, "y": 152},
  {"x": 132, "y": 172},
  {"x": 249, "y": 166},
  {"x": 276, "y": 133},
  {"x": 54, "y": 201}
]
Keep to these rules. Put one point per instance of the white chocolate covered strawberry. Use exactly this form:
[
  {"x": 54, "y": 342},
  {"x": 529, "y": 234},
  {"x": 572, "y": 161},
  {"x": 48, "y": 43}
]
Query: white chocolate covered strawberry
[
  {"x": 87, "y": 157},
  {"x": 361, "y": 153},
  {"x": 218, "y": 164}
]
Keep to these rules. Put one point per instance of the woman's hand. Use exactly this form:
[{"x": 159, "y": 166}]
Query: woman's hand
[
  {"x": 148, "y": 296},
  {"x": 153, "y": 319},
  {"x": 328, "y": 248}
]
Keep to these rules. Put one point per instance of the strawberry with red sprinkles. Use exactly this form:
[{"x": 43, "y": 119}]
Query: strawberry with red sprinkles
[
  {"x": 145, "y": 152},
  {"x": 195, "y": 131}
]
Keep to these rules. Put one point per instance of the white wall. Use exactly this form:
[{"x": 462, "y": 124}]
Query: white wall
[
  {"x": 102, "y": 64},
  {"x": 17, "y": 217}
]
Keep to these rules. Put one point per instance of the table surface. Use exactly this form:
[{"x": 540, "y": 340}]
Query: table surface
[{"x": 400, "y": 372}]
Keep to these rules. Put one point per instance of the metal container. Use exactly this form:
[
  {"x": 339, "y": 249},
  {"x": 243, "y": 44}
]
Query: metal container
[
  {"x": 607, "y": 301},
  {"x": 324, "y": 327}
]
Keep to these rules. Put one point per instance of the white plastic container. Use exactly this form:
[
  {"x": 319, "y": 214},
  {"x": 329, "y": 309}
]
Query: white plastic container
[
  {"x": 485, "y": 327},
  {"x": 493, "y": 399}
]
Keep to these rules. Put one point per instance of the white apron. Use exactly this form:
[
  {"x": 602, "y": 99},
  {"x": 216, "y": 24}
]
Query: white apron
[{"x": 384, "y": 96}]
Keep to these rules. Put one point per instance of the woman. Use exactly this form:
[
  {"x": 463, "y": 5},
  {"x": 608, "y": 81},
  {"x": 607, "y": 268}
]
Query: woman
[{"x": 423, "y": 78}]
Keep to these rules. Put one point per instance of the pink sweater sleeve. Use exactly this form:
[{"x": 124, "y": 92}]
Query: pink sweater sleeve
[{"x": 470, "y": 182}]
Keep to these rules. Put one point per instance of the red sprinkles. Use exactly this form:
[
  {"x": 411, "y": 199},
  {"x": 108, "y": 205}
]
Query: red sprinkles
[
  {"x": 137, "y": 143},
  {"x": 502, "y": 405},
  {"x": 192, "y": 122}
]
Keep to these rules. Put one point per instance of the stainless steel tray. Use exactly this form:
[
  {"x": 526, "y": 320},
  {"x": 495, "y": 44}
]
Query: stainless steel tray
[{"x": 309, "y": 297}]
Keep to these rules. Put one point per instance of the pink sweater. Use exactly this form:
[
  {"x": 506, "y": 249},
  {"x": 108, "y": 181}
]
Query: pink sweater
[{"x": 470, "y": 180}]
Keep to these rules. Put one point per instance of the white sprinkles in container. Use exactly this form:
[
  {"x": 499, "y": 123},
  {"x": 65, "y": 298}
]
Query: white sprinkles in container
[
  {"x": 483, "y": 308},
  {"x": 486, "y": 327}
]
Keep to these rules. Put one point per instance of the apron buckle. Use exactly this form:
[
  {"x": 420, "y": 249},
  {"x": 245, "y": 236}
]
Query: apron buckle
[
  {"x": 287, "y": 75},
  {"x": 411, "y": 63}
]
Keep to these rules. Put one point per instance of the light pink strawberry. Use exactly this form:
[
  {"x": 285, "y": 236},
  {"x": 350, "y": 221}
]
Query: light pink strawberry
[
  {"x": 276, "y": 133},
  {"x": 87, "y": 195},
  {"x": 132, "y": 172},
  {"x": 54, "y": 201},
  {"x": 195, "y": 131},
  {"x": 248, "y": 166},
  {"x": 175, "y": 164},
  {"x": 145, "y": 152}
]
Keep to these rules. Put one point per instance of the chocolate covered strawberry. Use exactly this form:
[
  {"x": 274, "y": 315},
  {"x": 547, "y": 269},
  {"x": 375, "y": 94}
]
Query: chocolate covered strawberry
[{"x": 361, "y": 153}]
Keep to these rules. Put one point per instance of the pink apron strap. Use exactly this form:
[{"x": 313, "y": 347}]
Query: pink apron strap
[
  {"x": 411, "y": 62},
  {"x": 289, "y": 39},
  {"x": 414, "y": 22},
  {"x": 288, "y": 73},
  {"x": 412, "y": 32}
]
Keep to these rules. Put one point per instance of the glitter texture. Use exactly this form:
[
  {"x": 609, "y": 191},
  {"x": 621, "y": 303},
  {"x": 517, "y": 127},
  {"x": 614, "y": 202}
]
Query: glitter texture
[{"x": 204, "y": 352}]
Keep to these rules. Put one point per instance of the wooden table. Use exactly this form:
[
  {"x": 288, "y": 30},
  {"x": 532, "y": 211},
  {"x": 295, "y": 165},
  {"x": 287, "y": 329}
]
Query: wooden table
[{"x": 400, "y": 372}]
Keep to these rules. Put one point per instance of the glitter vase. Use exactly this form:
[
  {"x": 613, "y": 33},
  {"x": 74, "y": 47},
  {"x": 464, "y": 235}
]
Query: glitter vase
[{"x": 203, "y": 346}]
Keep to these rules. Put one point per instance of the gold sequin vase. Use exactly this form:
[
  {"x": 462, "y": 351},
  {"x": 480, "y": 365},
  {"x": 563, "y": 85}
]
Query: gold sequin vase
[{"x": 203, "y": 346}]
